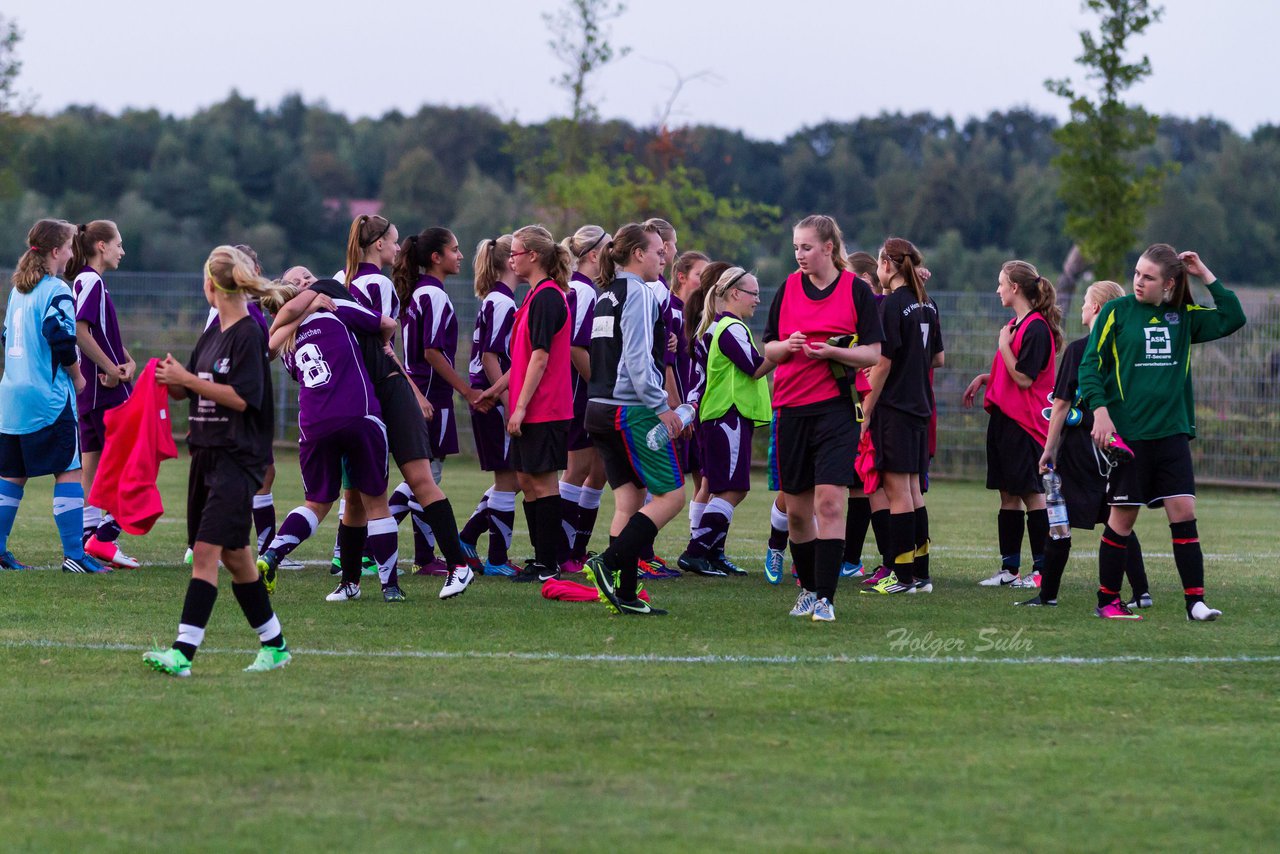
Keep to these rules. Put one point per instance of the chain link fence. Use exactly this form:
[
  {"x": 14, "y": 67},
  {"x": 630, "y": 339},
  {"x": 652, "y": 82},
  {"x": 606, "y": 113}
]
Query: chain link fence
[{"x": 1237, "y": 379}]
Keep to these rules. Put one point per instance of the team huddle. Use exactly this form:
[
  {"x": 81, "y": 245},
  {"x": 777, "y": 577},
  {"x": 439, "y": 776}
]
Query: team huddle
[{"x": 608, "y": 372}]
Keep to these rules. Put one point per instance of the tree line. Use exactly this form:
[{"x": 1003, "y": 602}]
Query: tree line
[{"x": 286, "y": 179}]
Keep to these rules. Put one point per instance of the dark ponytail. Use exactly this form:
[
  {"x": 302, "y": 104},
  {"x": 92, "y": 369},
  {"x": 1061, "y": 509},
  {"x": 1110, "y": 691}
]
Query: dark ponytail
[
  {"x": 1171, "y": 266},
  {"x": 404, "y": 273},
  {"x": 86, "y": 239},
  {"x": 618, "y": 251}
]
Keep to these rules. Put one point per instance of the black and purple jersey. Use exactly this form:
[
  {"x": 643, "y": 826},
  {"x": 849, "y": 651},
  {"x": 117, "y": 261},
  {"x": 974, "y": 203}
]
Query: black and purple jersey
[
  {"x": 429, "y": 323},
  {"x": 374, "y": 291},
  {"x": 492, "y": 333},
  {"x": 255, "y": 311},
  {"x": 682, "y": 359},
  {"x": 94, "y": 306},
  {"x": 582, "y": 306},
  {"x": 334, "y": 387}
]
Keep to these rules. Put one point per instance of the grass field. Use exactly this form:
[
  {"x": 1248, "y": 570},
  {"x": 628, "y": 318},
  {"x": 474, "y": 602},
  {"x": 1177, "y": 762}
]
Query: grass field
[{"x": 501, "y": 721}]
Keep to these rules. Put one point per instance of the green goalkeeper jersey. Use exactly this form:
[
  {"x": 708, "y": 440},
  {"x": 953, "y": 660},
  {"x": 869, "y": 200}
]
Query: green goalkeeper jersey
[{"x": 1138, "y": 361}]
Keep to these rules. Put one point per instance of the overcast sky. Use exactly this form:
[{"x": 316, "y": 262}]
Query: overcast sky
[{"x": 771, "y": 66}]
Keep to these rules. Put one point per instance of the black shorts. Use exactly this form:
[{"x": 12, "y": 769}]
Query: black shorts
[
  {"x": 49, "y": 450},
  {"x": 901, "y": 441},
  {"x": 1083, "y": 470},
  {"x": 1160, "y": 469},
  {"x": 219, "y": 499},
  {"x": 541, "y": 447},
  {"x": 407, "y": 432},
  {"x": 817, "y": 449},
  {"x": 1013, "y": 457}
]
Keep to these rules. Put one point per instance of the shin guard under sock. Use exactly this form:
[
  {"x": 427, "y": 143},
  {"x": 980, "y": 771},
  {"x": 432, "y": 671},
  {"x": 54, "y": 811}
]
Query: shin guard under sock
[{"x": 1009, "y": 533}]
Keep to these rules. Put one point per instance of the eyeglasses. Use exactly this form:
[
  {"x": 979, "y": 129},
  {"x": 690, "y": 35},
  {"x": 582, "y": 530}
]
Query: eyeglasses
[
  {"x": 747, "y": 292},
  {"x": 518, "y": 254}
]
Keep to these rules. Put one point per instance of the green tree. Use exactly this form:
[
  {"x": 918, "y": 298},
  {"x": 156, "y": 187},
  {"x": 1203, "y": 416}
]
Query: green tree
[
  {"x": 580, "y": 40},
  {"x": 1106, "y": 191}
]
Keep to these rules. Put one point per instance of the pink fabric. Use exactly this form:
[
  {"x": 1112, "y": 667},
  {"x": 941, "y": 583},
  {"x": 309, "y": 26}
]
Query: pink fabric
[
  {"x": 801, "y": 380},
  {"x": 572, "y": 591},
  {"x": 139, "y": 438},
  {"x": 553, "y": 400},
  {"x": 865, "y": 464},
  {"x": 1025, "y": 406}
]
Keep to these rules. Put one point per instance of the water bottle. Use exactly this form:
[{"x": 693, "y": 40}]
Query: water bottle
[
  {"x": 659, "y": 437},
  {"x": 1059, "y": 527}
]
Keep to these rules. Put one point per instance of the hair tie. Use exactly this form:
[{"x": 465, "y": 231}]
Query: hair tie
[
  {"x": 35, "y": 248},
  {"x": 733, "y": 282},
  {"x": 584, "y": 252}
]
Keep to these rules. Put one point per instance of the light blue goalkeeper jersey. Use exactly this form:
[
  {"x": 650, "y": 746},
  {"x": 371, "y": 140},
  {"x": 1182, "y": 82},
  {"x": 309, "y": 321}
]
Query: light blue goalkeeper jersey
[{"x": 34, "y": 389}]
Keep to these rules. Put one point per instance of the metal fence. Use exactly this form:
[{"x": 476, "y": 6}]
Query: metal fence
[{"x": 1237, "y": 379}]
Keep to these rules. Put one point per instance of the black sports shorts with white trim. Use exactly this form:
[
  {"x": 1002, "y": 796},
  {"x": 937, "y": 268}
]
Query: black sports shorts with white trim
[{"x": 1160, "y": 469}]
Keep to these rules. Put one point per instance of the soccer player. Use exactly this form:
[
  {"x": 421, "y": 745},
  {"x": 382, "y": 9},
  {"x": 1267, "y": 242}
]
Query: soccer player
[
  {"x": 583, "y": 482},
  {"x": 495, "y": 284},
  {"x": 897, "y": 411},
  {"x": 1141, "y": 345},
  {"x": 228, "y": 380},
  {"x": 107, "y": 367},
  {"x": 540, "y": 391},
  {"x": 628, "y": 400},
  {"x": 338, "y": 418},
  {"x": 1083, "y": 467},
  {"x": 38, "y": 433},
  {"x": 430, "y": 328},
  {"x": 735, "y": 399},
  {"x": 1018, "y": 384},
  {"x": 817, "y": 429}
]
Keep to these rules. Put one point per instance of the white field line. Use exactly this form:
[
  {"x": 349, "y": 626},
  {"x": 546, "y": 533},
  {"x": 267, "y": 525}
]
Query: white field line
[{"x": 448, "y": 655}]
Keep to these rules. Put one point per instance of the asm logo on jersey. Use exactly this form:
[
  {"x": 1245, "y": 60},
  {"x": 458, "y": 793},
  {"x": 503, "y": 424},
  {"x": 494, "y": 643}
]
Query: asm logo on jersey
[{"x": 1158, "y": 341}]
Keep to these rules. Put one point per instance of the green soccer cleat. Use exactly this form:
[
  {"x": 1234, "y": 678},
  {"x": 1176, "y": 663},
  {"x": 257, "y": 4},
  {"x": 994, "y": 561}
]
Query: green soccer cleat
[
  {"x": 269, "y": 658},
  {"x": 170, "y": 661}
]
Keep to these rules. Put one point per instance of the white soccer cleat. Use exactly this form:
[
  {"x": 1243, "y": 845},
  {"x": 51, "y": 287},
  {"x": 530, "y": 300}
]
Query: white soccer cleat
[
  {"x": 1202, "y": 613},
  {"x": 344, "y": 592},
  {"x": 1003, "y": 578},
  {"x": 457, "y": 581}
]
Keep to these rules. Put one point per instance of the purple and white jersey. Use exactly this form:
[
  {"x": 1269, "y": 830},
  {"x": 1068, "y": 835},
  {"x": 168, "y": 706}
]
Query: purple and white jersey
[
  {"x": 734, "y": 343},
  {"x": 375, "y": 291},
  {"x": 327, "y": 364},
  {"x": 429, "y": 323},
  {"x": 94, "y": 306},
  {"x": 698, "y": 358},
  {"x": 492, "y": 334}
]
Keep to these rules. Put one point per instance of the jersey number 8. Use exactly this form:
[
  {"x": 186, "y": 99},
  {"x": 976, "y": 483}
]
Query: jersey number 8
[{"x": 313, "y": 370}]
